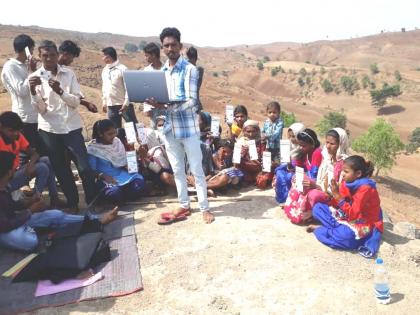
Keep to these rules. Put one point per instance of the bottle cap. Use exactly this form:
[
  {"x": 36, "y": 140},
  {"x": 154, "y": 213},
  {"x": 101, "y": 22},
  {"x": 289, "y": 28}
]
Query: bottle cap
[{"x": 379, "y": 261}]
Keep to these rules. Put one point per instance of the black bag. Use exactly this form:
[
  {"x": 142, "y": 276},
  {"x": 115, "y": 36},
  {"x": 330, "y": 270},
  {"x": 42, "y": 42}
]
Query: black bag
[{"x": 66, "y": 257}]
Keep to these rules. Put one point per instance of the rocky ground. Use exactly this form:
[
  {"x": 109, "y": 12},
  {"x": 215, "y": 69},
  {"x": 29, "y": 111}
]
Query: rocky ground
[{"x": 251, "y": 260}]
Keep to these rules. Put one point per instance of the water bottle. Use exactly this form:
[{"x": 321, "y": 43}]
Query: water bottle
[{"x": 381, "y": 283}]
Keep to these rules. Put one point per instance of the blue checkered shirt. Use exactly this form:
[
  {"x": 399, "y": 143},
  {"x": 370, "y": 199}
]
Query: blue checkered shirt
[
  {"x": 182, "y": 118},
  {"x": 273, "y": 131}
]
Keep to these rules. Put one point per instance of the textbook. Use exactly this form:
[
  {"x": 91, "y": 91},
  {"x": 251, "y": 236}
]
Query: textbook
[{"x": 130, "y": 133}]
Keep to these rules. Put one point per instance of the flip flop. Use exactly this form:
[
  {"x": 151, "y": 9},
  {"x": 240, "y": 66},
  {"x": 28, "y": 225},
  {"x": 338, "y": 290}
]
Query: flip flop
[
  {"x": 166, "y": 215},
  {"x": 170, "y": 220}
]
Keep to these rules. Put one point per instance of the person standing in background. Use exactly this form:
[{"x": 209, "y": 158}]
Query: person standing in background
[
  {"x": 192, "y": 55},
  {"x": 114, "y": 95}
]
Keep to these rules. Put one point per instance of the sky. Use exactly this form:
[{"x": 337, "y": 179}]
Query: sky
[{"x": 220, "y": 22}]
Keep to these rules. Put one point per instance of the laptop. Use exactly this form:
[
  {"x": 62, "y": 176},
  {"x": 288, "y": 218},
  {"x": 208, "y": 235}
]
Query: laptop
[{"x": 141, "y": 85}]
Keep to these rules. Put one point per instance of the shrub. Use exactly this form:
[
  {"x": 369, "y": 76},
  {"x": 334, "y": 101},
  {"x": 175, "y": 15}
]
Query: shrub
[
  {"x": 414, "y": 141},
  {"x": 266, "y": 58},
  {"x": 276, "y": 70},
  {"x": 327, "y": 86},
  {"x": 260, "y": 65},
  {"x": 288, "y": 118},
  {"x": 380, "y": 97},
  {"x": 397, "y": 75},
  {"x": 129, "y": 47},
  {"x": 374, "y": 68},
  {"x": 331, "y": 120},
  {"x": 366, "y": 81},
  {"x": 380, "y": 144},
  {"x": 322, "y": 70},
  {"x": 301, "y": 82},
  {"x": 349, "y": 84},
  {"x": 303, "y": 72},
  {"x": 142, "y": 44},
  {"x": 215, "y": 74}
]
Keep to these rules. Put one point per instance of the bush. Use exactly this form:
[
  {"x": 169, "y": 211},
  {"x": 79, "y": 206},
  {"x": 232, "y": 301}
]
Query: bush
[
  {"x": 129, "y": 47},
  {"x": 397, "y": 75},
  {"x": 215, "y": 74},
  {"x": 380, "y": 144},
  {"x": 366, "y": 81},
  {"x": 374, "y": 68},
  {"x": 276, "y": 70},
  {"x": 327, "y": 86},
  {"x": 303, "y": 72},
  {"x": 266, "y": 59},
  {"x": 380, "y": 97},
  {"x": 260, "y": 65},
  {"x": 349, "y": 84},
  {"x": 330, "y": 121},
  {"x": 414, "y": 141},
  {"x": 308, "y": 81},
  {"x": 142, "y": 44},
  {"x": 301, "y": 82},
  {"x": 322, "y": 70},
  {"x": 288, "y": 118}
]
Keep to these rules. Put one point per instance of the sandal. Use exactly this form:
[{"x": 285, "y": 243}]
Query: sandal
[
  {"x": 185, "y": 212},
  {"x": 171, "y": 219}
]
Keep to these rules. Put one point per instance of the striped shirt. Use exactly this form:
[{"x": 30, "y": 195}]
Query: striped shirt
[{"x": 182, "y": 119}]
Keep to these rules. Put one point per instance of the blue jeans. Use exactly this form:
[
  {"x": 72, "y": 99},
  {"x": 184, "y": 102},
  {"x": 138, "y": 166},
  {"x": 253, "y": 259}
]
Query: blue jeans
[
  {"x": 24, "y": 237},
  {"x": 176, "y": 150},
  {"x": 44, "y": 177},
  {"x": 118, "y": 194}
]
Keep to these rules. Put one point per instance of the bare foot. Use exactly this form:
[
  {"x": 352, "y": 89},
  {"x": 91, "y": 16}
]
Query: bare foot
[
  {"x": 109, "y": 216},
  {"x": 211, "y": 193},
  {"x": 311, "y": 228},
  {"x": 208, "y": 217}
]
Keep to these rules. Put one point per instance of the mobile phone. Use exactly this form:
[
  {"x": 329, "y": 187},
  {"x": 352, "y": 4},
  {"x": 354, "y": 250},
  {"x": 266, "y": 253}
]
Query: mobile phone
[{"x": 28, "y": 53}]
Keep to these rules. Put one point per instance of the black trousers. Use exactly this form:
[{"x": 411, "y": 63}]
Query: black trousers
[
  {"x": 57, "y": 145},
  {"x": 30, "y": 132},
  {"x": 114, "y": 115}
]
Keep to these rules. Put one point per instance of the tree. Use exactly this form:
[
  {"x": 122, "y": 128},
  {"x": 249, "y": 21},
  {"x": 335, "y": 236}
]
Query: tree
[
  {"x": 260, "y": 65},
  {"x": 374, "y": 68},
  {"x": 380, "y": 144},
  {"x": 266, "y": 59},
  {"x": 397, "y": 75},
  {"x": 276, "y": 70},
  {"x": 327, "y": 86},
  {"x": 288, "y": 118},
  {"x": 331, "y": 120},
  {"x": 129, "y": 47},
  {"x": 414, "y": 141},
  {"x": 380, "y": 97},
  {"x": 349, "y": 84},
  {"x": 142, "y": 44}
]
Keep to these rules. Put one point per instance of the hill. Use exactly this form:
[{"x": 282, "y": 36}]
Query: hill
[{"x": 232, "y": 76}]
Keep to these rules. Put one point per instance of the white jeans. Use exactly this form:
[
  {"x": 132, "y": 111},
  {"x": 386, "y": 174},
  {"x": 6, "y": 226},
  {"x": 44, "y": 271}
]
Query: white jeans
[{"x": 176, "y": 150}]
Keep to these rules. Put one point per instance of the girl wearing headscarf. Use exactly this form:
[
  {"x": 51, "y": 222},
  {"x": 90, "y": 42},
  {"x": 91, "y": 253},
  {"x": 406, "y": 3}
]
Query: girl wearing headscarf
[
  {"x": 251, "y": 168},
  {"x": 284, "y": 172},
  {"x": 295, "y": 207}
]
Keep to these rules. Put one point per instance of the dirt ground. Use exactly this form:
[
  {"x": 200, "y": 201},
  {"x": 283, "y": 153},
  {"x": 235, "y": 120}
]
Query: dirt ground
[{"x": 251, "y": 260}]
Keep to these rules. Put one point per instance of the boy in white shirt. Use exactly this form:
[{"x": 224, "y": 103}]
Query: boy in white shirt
[
  {"x": 15, "y": 79},
  {"x": 55, "y": 93},
  {"x": 114, "y": 95}
]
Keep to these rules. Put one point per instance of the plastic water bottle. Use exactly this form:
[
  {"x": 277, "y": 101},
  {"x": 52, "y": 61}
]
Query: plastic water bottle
[{"x": 382, "y": 293}]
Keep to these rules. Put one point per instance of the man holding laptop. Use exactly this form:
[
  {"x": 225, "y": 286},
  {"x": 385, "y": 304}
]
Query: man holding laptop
[{"x": 181, "y": 130}]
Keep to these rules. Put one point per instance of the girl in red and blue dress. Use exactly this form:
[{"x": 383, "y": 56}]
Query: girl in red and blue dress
[
  {"x": 310, "y": 160},
  {"x": 355, "y": 213}
]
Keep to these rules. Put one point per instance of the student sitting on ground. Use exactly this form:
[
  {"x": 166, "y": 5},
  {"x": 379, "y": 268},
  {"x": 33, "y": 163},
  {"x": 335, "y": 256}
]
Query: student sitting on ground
[
  {"x": 272, "y": 130},
  {"x": 310, "y": 161},
  {"x": 11, "y": 140},
  {"x": 283, "y": 173},
  {"x": 251, "y": 168},
  {"x": 206, "y": 136},
  {"x": 240, "y": 114},
  {"x": 226, "y": 173},
  {"x": 18, "y": 219},
  {"x": 107, "y": 157},
  {"x": 356, "y": 213}
]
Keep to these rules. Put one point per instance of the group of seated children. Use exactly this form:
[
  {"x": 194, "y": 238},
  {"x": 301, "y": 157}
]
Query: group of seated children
[{"x": 335, "y": 190}]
